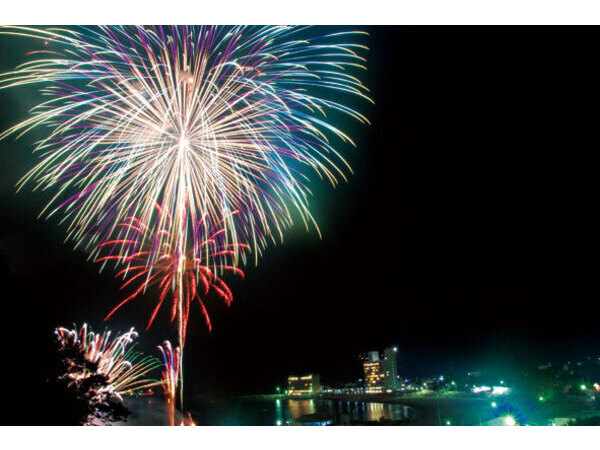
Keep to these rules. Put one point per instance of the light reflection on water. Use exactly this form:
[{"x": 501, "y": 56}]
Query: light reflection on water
[
  {"x": 299, "y": 408},
  {"x": 342, "y": 411}
]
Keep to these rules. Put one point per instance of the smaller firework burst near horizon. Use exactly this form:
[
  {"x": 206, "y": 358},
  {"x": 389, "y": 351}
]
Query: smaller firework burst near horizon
[
  {"x": 170, "y": 376},
  {"x": 170, "y": 369},
  {"x": 115, "y": 357}
]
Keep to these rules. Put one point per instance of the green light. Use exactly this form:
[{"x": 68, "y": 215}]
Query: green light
[
  {"x": 541, "y": 398},
  {"x": 501, "y": 381},
  {"x": 583, "y": 387},
  {"x": 510, "y": 421},
  {"x": 494, "y": 404},
  {"x": 448, "y": 422}
]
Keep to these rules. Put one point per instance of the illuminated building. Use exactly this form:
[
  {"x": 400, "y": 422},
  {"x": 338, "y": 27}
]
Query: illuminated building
[
  {"x": 374, "y": 376},
  {"x": 390, "y": 369},
  {"x": 305, "y": 385}
]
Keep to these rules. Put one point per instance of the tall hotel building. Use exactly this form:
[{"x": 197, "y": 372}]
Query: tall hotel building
[
  {"x": 390, "y": 369},
  {"x": 374, "y": 375}
]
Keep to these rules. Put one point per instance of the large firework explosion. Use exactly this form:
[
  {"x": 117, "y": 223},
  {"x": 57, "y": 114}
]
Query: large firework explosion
[{"x": 202, "y": 120}]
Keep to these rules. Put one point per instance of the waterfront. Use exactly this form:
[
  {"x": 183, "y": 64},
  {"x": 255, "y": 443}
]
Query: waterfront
[
  {"x": 409, "y": 410},
  {"x": 274, "y": 412},
  {"x": 283, "y": 411}
]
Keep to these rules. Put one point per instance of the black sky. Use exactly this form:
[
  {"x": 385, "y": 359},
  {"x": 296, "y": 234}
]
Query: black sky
[{"x": 467, "y": 235}]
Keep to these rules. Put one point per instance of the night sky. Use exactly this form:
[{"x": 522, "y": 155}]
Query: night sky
[{"x": 466, "y": 236}]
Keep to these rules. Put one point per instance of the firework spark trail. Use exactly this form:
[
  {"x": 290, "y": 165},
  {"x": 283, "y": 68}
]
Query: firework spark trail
[
  {"x": 116, "y": 359},
  {"x": 170, "y": 375},
  {"x": 210, "y": 119}
]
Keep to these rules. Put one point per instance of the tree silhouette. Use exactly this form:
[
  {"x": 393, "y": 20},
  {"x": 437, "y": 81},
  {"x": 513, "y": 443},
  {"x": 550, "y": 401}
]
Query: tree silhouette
[{"x": 77, "y": 393}]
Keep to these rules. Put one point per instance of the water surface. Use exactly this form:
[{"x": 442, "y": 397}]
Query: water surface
[{"x": 282, "y": 412}]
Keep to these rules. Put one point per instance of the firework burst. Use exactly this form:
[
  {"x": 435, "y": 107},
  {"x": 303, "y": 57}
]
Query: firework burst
[
  {"x": 124, "y": 368},
  {"x": 203, "y": 120},
  {"x": 150, "y": 260},
  {"x": 170, "y": 371}
]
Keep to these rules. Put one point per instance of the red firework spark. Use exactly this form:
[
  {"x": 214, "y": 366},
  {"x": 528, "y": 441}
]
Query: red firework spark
[{"x": 152, "y": 260}]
